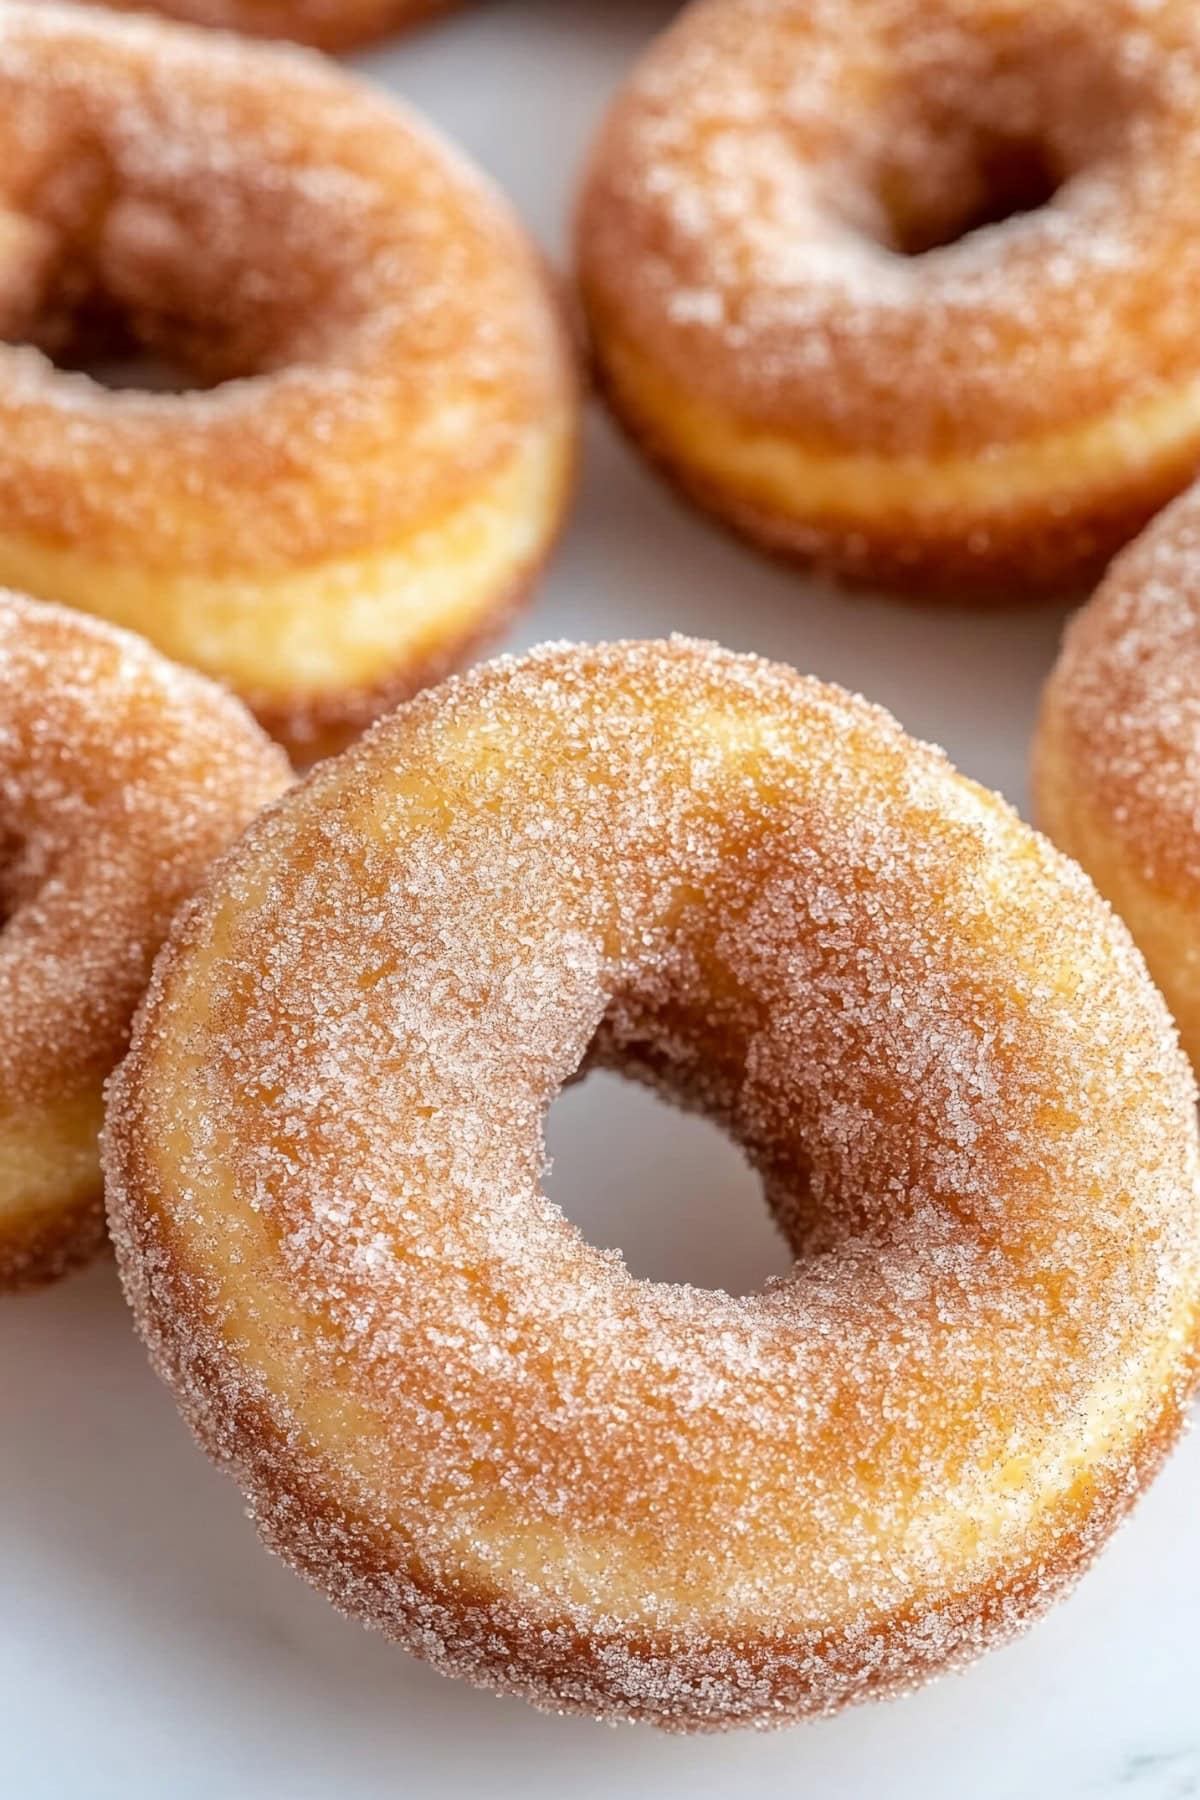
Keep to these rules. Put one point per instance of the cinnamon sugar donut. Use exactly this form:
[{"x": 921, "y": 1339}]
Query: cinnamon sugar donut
[
  {"x": 800, "y": 308},
  {"x": 328, "y": 24},
  {"x": 121, "y": 777},
  {"x": 380, "y": 452},
  {"x": 487, "y": 1438},
  {"x": 1117, "y": 754}
]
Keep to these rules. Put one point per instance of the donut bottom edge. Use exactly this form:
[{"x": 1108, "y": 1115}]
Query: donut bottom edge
[
  {"x": 1002, "y": 527},
  {"x": 702, "y": 1685}
]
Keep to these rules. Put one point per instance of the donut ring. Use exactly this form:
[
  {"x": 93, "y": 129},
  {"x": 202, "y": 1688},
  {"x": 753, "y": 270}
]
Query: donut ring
[
  {"x": 485, "y": 1437},
  {"x": 1116, "y": 769},
  {"x": 1000, "y": 408},
  {"x": 121, "y": 778},
  {"x": 326, "y": 24},
  {"x": 385, "y": 461}
]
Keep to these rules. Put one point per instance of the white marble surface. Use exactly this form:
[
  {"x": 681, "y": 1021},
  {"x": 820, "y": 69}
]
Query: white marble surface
[{"x": 150, "y": 1650}]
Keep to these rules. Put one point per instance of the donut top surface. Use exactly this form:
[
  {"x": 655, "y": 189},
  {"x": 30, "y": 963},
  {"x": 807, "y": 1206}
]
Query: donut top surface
[
  {"x": 930, "y": 1036},
  {"x": 363, "y": 318},
  {"x": 121, "y": 777},
  {"x": 787, "y": 211}
]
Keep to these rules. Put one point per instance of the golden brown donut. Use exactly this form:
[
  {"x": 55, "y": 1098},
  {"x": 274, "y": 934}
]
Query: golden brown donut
[
  {"x": 380, "y": 452},
  {"x": 485, "y": 1437},
  {"x": 797, "y": 305},
  {"x": 121, "y": 777},
  {"x": 1117, "y": 753},
  {"x": 327, "y": 24}
]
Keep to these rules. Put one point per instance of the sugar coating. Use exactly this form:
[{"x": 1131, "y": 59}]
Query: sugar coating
[
  {"x": 1125, "y": 697},
  {"x": 377, "y": 321},
  {"x": 484, "y": 1436},
  {"x": 768, "y": 159},
  {"x": 121, "y": 778},
  {"x": 330, "y": 24}
]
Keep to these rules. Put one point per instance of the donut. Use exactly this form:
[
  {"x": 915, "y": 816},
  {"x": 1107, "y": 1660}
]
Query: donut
[
  {"x": 376, "y": 450},
  {"x": 486, "y": 1438},
  {"x": 907, "y": 289},
  {"x": 327, "y": 24},
  {"x": 121, "y": 778},
  {"x": 1116, "y": 765}
]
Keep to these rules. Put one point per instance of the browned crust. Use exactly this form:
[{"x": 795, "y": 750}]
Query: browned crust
[
  {"x": 1108, "y": 711},
  {"x": 486, "y": 1636},
  {"x": 34, "y": 1255},
  {"x": 1026, "y": 558}
]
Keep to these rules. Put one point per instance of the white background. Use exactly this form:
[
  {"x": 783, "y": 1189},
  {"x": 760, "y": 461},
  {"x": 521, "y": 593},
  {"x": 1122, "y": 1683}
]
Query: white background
[{"x": 150, "y": 1650}]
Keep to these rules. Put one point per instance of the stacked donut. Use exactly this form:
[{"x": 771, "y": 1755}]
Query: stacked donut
[{"x": 903, "y": 291}]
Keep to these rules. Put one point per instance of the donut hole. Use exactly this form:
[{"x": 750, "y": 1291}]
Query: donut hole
[
  {"x": 667, "y": 1188},
  {"x": 168, "y": 290},
  {"x": 99, "y": 341},
  {"x": 86, "y": 320},
  {"x": 10, "y": 860},
  {"x": 980, "y": 128},
  {"x": 1007, "y": 178},
  {"x": 86, "y": 324}
]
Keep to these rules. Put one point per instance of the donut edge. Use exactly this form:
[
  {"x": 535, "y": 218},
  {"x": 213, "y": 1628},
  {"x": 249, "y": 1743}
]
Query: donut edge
[{"x": 1048, "y": 557}]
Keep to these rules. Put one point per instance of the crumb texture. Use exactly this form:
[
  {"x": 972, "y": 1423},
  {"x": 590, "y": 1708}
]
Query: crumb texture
[{"x": 483, "y": 1435}]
